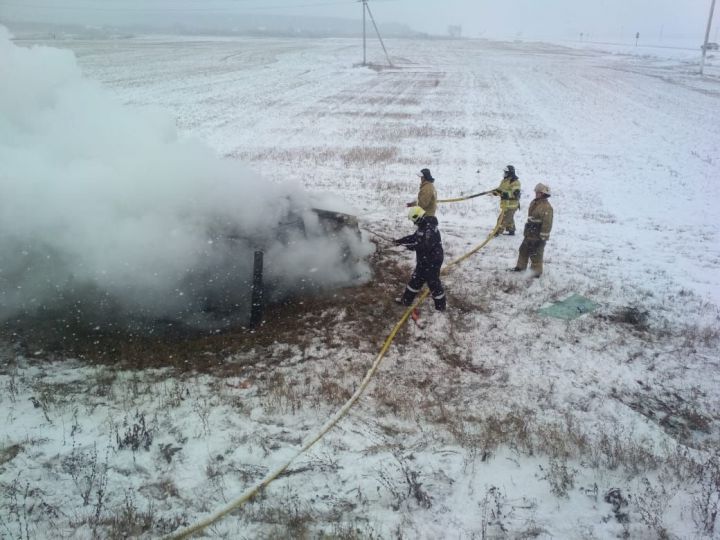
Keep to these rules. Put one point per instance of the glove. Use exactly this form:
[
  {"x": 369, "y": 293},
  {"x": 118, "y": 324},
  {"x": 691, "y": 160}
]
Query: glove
[{"x": 504, "y": 197}]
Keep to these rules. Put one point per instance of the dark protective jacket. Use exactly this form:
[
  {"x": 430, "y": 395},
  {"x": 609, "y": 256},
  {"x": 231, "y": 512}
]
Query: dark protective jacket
[
  {"x": 540, "y": 220},
  {"x": 425, "y": 242}
]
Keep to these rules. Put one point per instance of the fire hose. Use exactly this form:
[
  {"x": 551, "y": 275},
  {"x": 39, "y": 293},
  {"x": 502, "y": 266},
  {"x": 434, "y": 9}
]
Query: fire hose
[
  {"x": 273, "y": 475},
  {"x": 466, "y": 197}
]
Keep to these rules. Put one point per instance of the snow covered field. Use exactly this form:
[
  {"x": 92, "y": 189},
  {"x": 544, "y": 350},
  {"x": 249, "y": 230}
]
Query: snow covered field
[{"x": 491, "y": 421}]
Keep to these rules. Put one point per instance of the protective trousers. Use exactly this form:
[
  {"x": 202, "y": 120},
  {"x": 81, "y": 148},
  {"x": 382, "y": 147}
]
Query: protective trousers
[
  {"x": 508, "y": 222},
  {"x": 426, "y": 273},
  {"x": 534, "y": 249}
]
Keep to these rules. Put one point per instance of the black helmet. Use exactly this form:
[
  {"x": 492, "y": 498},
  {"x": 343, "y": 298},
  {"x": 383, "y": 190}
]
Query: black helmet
[
  {"x": 509, "y": 171},
  {"x": 425, "y": 175}
]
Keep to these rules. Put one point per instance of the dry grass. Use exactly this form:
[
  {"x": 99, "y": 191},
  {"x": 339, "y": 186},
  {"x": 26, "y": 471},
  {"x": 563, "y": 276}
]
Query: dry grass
[
  {"x": 383, "y": 115},
  {"x": 672, "y": 412},
  {"x": 386, "y": 100},
  {"x": 442, "y": 114},
  {"x": 369, "y": 155},
  {"x": 288, "y": 517},
  {"x": 559, "y": 441},
  {"x": 364, "y": 156},
  {"x": 482, "y": 436},
  {"x": 384, "y": 132},
  {"x": 278, "y": 395}
]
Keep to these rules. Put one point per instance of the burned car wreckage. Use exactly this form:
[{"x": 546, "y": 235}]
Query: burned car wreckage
[
  {"x": 229, "y": 267},
  {"x": 337, "y": 231}
]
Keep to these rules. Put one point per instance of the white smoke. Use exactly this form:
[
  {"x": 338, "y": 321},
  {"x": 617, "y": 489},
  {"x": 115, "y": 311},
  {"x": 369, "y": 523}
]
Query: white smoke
[{"x": 105, "y": 211}]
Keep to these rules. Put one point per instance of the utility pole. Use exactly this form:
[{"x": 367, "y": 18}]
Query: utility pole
[
  {"x": 707, "y": 35},
  {"x": 364, "y": 57},
  {"x": 366, "y": 8}
]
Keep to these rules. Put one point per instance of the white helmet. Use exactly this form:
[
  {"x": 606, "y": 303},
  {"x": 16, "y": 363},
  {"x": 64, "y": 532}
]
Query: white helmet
[
  {"x": 415, "y": 213},
  {"x": 542, "y": 188}
]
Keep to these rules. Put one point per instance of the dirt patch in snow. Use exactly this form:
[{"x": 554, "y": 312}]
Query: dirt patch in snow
[{"x": 355, "y": 317}]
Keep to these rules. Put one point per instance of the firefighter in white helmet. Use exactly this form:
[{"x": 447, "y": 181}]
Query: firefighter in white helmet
[{"x": 537, "y": 232}]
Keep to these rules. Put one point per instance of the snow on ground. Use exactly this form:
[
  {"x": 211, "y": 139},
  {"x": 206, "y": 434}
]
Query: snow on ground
[{"x": 489, "y": 422}]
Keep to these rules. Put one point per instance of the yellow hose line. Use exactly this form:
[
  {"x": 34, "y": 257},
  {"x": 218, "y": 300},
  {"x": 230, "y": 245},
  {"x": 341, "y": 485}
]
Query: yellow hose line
[
  {"x": 457, "y": 199},
  {"x": 465, "y": 198},
  {"x": 251, "y": 492},
  {"x": 477, "y": 248}
]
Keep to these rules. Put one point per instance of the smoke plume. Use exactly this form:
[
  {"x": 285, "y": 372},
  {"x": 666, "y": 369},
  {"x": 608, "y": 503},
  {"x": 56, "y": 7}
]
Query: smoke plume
[{"x": 107, "y": 213}]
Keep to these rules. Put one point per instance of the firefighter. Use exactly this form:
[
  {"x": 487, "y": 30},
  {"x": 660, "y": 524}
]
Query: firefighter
[
  {"x": 427, "y": 196},
  {"x": 509, "y": 193},
  {"x": 427, "y": 245},
  {"x": 537, "y": 232}
]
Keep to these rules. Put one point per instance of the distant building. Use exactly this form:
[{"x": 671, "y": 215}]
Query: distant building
[{"x": 454, "y": 30}]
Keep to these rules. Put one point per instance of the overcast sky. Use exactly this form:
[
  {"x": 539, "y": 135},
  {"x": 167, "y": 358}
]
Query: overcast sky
[{"x": 487, "y": 18}]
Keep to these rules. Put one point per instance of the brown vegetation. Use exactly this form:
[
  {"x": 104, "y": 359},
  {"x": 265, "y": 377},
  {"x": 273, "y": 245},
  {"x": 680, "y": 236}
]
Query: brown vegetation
[{"x": 295, "y": 322}]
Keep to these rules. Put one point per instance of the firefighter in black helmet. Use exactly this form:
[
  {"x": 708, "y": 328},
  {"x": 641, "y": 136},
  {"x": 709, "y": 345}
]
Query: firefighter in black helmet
[
  {"x": 509, "y": 193},
  {"x": 427, "y": 196}
]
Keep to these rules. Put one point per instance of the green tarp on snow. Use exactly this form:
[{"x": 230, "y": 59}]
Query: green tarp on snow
[{"x": 570, "y": 308}]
